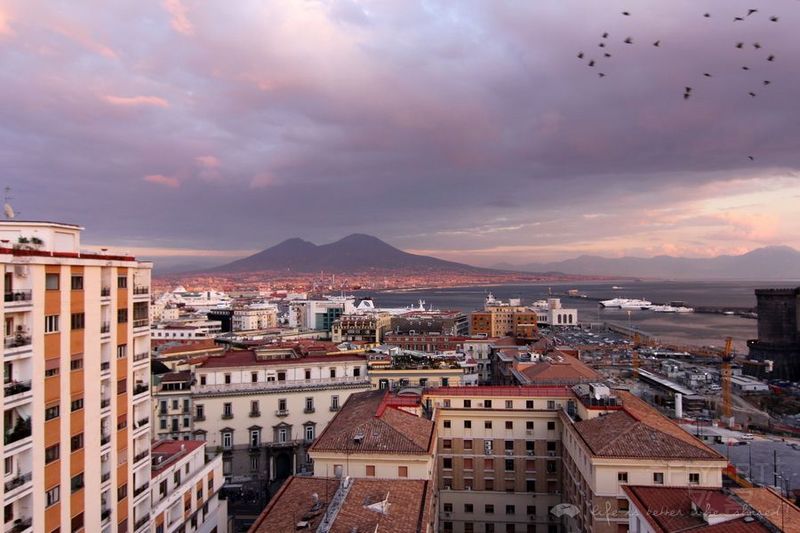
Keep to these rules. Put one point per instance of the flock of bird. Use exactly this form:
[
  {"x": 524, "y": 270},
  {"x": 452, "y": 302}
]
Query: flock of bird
[{"x": 687, "y": 91}]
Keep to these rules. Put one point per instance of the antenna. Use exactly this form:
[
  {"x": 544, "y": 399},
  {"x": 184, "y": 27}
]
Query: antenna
[{"x": 7, "y": 209}]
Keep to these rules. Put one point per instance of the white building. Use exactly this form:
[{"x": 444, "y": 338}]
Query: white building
[
  {"x": 319, "y": 314},
  {"x": 187, "y": 329},
  {"x": 184, "y": 489},
  {"x": 550, "y": 313},
  {"x": 254, "y": 316}
]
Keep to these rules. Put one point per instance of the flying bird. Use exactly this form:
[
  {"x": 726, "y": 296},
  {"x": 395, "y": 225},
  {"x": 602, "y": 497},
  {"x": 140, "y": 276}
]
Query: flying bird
[
  {"x": 767, "y": 82},
  {"x": 626, "y": 13},
  {"x": 706, "y": 74},
  {"x": 771, "y": 58},
  {"x": 707, "y": 15},
  {"x": 601, "y": 74},
  {"x": 605, "y": 35},
  {"x": 745, "y": 68},
  {"x": 751, "y": 11},
  {"x": 657, "y": 43},
  {"x": 737, "y": 19},
  {"x": 602, "y": 45},
  {"x": 629, "y": 40},
  {"x": 751, "y": 93},
  {"x": 607, "y": 54},
  {"x": 773, "y": 19},
  {"x": 739, "y": 45},
  {"x": 688, "y": 89},
  {"x": 686, "y": 96},
  {"x": 751, "y": 158},
  {"x": 591, "y": 63},
  {"x": 756, "y": 46},
  {"x": 580, "y": 55}
]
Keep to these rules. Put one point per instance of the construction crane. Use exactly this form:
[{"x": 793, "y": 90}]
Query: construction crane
[{"x": 725, "y": 378}]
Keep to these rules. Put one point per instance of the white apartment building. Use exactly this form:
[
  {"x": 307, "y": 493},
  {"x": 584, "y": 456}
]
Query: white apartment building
[
  {"x": 550, "y": 312},
  {"x": 254, "y": 316},
  {"x": 319, "y": 314},
  {"x": 76, "y": 400},
  {"x": 184, "y": 489},
  {"x": 262, "y": 409},
  {"x": 189, "y": 329}
]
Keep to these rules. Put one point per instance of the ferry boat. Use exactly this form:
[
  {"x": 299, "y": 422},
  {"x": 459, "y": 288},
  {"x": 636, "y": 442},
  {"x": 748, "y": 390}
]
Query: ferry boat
[{"x": 626, "y": 303}]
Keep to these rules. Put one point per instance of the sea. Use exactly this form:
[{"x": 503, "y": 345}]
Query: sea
[{"x": 680, "y": 328}]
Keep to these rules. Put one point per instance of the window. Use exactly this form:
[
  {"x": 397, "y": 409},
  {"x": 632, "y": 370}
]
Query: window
[
  {"x": 52, "y": 412},
  {"x": 253, "y": 377},
  {"x": 282, "y": 435},
  {"x": 488, "y": 484},
  {"x": 199, "y": 412},
  {"x": 227, "y": 379},
  {"x": 467, "y": 444},
  {"x": 530, "y": 485},
  {"x": 227, "y": 439},
  {"x": 122, "y": 282},
  {"x": 76, "y": 442},
  {"x": 309, "y": 433},
  {"x": 509, "y": 465},
  {"x": 508, "y": 445},
  {"x": 509, "y": 424},
  {"x": 122, "y": 492},
  {"x": 52, "y": 496},
  {"x": 402, "y": 471},
  {"x": 551, "y": 404},
  {"x": 254, "y": 410},
  {"x": 489, "y": 528},
  {"x": 76, "y": 483},
  {"x": 334, "y": 402},
  {"x": 448, "y": 508},
  {"x": 487, "y": 424},
  {"x": 51, "y": 324},
  {"x": 622, "y": 504},
  {"x": 370, "y": 470},
  {"x": 282, "y": 404},
  {"x": 227, "y": 410},
  {"x": 76, "y": 283},
  {"x": 551, "y": 426},
  {"x": 467, "y": 424},
  {"x": 658, "y": 478},
  {"x": 122, "y": 316},
  {"x": 467, "y": 403},
  {"x": 176, "y": 478},
  {"x": 76, "y": 364},
  {"x": 447, "y": 463},
  {"x": 469, "y": 527},
  {"x": 357, "y": 371},
  {"x": 202, "y": 379},
  {"x": 528, "y": 404},
  {"x": 468, "y": 463},
  {"x": 77, "y": 320},
  {"x": 551, "y": 467},
  {"x": 446, "y": 403},
  {"x": 551, "y": 446},
  {"x": 509, "y": 404},
  {"x": 510, "y": 509},
  {"x": 282, "y": 376},
  {"x": 694, "y": 478},
  {"x": 622, "y": 477},
  {"x": 255, "y": 438},
  {"x": 446, "y": 424},
  {"x": 488, "y": 464},
  {"x": 51, "y": 282},
  {"x": 163, "y": 423},
  {"x": 333, "y": 372},
  {"x": 309, "y": 404},
  {"x": 122, "y": 351},
  {"x": 122, "y": 386},
  {"x": 529, "y": 425},
  {"x": 77, "y": 522},
  {"x": 468, "y": 508},
  {"x": 50, "y": 372},
  {"x": 488, "y": 508},
  {"x": 447, "y": 444},
  {"x": 253, "y": 468},
  {"x": 530, "y": 509}
]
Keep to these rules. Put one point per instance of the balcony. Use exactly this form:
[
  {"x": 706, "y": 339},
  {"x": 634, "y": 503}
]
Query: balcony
[
  {"x": 105, "y": 328},
  {"x": 105, "y": 477},
  {"x": 17, "y": 482},
  {"x": 143, "y": 521},
  {"x": 140, "y": 388},
  {"x": 138, "y": 490},
  {"x": 19, "y": 296},
  {"x": 141, "y": 455},
  {"x": 142, "y": 422},
  {"x": 105, "y": 514},
  {"x": 141, "y": 356},
  {"x": 105, "y": 439},
  {"x": 199, "y": 418},
  {"x": 18, "y": 340},
  {"x": 344, "y": 382},
  {"x": 227, "y": 416},
  {"x": 141, "y": 290},
  {"x": 21, "y": 524},
  {"x": 309, "y": 410},
  {"x": 334, "y": 408},
  {"x": 105, "y": 403},
  {"x": 21, "y": 430},
  {"x": 141, "y": 322},
  {"x": 105, "y": 292},
  {"x": 282, "y": 412},
  {"x": 17, "y": 387},
  {"x": 254, "y": 414}
]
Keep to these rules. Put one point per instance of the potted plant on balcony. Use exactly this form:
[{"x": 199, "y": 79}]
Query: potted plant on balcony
[{"x": 26, "y": 243}]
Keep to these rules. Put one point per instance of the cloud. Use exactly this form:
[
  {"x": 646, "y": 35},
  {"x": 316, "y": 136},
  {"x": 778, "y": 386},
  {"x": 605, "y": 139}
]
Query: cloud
[
  {"x": 179, "y": 16},
  {"x": 134, "y": 101},
  {"x": 208, "y": 161},
  {"x": 165, "y": 181},
  {"x": 83, "y": 37},
  {"x": 5, "y": 25}
]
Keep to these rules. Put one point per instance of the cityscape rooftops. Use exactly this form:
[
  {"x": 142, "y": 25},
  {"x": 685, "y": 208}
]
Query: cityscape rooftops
[
  {"x": 247, "y": 358},
  {"x": 772, "y": 506},
  {"x": 369, "y": 422},
  {"x": 701, "y": 509},
  {"x": 367, "y": 505}
]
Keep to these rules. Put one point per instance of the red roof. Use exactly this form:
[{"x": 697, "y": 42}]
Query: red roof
[{"x": 171, "y": 450}]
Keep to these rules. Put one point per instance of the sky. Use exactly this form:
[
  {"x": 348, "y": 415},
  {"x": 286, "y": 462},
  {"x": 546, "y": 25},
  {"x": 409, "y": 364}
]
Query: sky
[{"x": 469, "y": 130}]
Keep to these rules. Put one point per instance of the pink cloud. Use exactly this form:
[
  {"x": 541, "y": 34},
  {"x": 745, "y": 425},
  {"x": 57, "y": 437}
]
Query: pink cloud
[
  {"x": 208, "y": 161},
  {"x": 180, "y": 18},
  {"x": 83, "y": 38},
  {"x": 5, "y": 27},
  {"x": 130, "y": 101},
  {"x": 265, "y": 179},
  {"x": 162, "y": 180}
]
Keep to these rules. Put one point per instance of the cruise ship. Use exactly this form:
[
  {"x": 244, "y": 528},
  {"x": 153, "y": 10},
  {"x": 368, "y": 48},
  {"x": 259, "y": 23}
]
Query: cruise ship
[{"x": 626, "y": 303}]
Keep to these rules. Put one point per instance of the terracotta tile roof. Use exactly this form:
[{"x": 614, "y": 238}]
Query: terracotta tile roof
[
  {"x": 245, "y": 358},
  {"x": 567, "y": 369},
  {"x": 618, "y": 434},
  {"x": 407, "y": 511},
  {"x": 164, "y": 453},
  {"x": 359, "y": 428},
  {"x": 182, "y": 376},
  {"x": 193, "y": 346},
  {"x": 782, "y": 513},
  {"x": 670, "y": 509}
]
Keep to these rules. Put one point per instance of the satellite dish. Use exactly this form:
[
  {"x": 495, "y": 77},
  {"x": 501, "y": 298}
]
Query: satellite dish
[{"x": 8, "y": 210}]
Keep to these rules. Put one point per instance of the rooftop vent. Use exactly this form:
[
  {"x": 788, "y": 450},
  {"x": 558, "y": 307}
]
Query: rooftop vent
[
  {"x": 358, "y": 438},
  {"x": 301, "y": 525}
]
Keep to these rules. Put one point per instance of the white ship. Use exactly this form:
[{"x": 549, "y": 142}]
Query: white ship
[{"x": 626, "y": 303}]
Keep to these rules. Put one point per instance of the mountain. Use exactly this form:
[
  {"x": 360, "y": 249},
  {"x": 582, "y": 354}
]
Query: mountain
[
  {"x": 354, "y": 253},
  {"x": 771, "y": 262}
]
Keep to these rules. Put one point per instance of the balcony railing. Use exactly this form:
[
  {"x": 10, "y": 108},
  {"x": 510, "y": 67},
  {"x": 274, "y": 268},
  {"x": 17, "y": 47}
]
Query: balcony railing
[
  {"x": 105, "y": 439},
  {"x": 141, "y": 290},
  {"x": 105, "y": 291},
  {"x": 104, "y": 514},
  {"x": 105, "y": 402},
  {"x": 199, "y": 418},
  {"x": 21, "y": 524},
  {"x": 18, "y": 340},
  {"x": 19, "y": 296},
  {"x": 105, "y": 365},
  {"x": 105, "y": 327},
  {"x": 275, "y": 385},
  {"x": 140, "y": 322},
  {"x": 17, "y": 387},
  {"x": 141, "y": 522},
  {"x": 254, "y": 414},
  {"x": 143, "y": 422},
  {"x": 105, "y": 477},
  {"x": 21, "y": 430},
  {"x": 309, "y": 410},
  {"x": 141, "y": 455},
  {"x": 139, "y": 388},
  {"x": 282, "y": 412},
  {"x": 17, "y": 482},
  {"x": 141, "y": 356},
  {"x": 227, "y": 416},
  {"x": 139, "y": 490}
]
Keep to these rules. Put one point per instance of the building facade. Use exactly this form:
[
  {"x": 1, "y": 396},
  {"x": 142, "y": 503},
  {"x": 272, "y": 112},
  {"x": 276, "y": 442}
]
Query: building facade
[{"x": 77, "y": 372}]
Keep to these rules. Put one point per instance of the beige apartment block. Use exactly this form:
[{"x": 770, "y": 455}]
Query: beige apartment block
[
  {"x": 76, "y": 400},
  {"x": 498, "y": 457}
]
